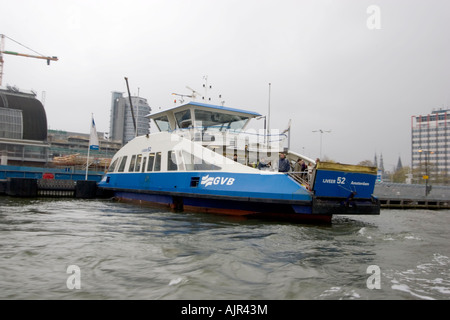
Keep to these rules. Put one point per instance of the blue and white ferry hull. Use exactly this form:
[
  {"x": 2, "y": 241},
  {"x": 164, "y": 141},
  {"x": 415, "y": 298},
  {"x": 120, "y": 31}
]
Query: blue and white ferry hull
[
  {"x": 264, "y": 195},
  {"x": 176, "y": 170},
  {"x": 241, "y": 194}
]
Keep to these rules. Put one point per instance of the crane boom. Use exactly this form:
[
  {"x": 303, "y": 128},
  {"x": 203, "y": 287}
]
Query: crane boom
[
  {"x": 2, "y": 51},
  {"x": 31, "y": 56}
]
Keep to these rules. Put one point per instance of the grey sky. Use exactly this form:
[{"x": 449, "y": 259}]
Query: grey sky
[{"x": 328, "y": 70}]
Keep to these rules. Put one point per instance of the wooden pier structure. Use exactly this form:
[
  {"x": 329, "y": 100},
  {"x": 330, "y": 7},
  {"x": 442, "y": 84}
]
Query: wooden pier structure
[{"x": 33, "y": 188}]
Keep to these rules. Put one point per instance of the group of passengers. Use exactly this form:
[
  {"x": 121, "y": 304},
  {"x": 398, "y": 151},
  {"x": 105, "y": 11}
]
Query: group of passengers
[
  {"x": 284, "y": 165},
  {"x": 300, "y": 165}
]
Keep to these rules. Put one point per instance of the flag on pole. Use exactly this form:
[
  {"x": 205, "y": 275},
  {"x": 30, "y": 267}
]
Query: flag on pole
[
  {"x": 93, "y": 140},
  {"x": 288, "y": 127}
]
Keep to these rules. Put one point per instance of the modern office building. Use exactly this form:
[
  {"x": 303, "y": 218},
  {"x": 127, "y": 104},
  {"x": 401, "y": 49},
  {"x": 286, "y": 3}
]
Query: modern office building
[
  {"x": 23, "y": 128},
  {"x": 430, "y": 147},
  {"x": 121, "y": 121}
]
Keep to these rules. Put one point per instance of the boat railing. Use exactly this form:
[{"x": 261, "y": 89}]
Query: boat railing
[
  {"x": 302, "y": 177},
  {"x": 206, "y": 135}
]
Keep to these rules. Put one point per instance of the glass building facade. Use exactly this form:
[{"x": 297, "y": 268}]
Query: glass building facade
[
  {"x": 11, "y": 123},
  {"x": 430, "y": 147},
  {"x": 121, "y": 121},
  {"x": 23, "y": 129}
]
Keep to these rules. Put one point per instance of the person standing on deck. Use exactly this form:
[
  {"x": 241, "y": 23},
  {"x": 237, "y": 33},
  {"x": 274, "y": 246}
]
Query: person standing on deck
[
  {"x": 283, "y": 164},
  {"x": 298, "y": 165}
]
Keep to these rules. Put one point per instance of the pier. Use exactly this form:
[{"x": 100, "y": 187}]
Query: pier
[
  {"x": 412, "y": 196},
  {"x": 32, "y": 182},
  {"x": 32, "y": 188}
]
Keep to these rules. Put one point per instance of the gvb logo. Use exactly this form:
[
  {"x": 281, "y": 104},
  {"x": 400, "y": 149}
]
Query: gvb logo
[
  {"x": 374, "y": 280},
  {"x": 208, "y": 181},
  {"x": 74, "y": 280}
]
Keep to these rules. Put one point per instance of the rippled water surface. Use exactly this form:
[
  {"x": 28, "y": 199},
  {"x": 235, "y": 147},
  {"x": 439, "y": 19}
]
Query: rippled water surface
[{"x": 125, "y": 251}]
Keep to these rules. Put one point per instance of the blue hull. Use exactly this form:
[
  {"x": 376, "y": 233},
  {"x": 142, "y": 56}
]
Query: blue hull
[{"x": 260, "y": 195}]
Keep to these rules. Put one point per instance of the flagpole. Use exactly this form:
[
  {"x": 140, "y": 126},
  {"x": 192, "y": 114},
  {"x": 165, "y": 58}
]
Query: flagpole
[
  {"x": 89, "y": 148},
  {"x": 289, "y": 135}
]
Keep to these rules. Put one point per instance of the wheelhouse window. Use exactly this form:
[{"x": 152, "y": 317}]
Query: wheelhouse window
[
  {"x": 184, "y": 119},
  {"x": 219, "y": 121},
  {"x": 163, "y": 123}
]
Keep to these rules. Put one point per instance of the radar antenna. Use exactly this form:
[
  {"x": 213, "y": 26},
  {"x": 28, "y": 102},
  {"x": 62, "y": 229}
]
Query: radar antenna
[{"x": 194, "y": 93}]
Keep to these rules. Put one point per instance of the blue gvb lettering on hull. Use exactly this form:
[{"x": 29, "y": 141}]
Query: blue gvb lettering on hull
[{"x": 207, "y": 181}]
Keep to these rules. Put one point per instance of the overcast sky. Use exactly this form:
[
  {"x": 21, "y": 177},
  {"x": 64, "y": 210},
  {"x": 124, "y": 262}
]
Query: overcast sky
[{"x": 340, "y": 65}]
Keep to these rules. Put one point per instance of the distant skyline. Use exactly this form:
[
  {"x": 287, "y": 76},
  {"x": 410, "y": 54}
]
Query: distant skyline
[{"x": 359, "y": 69}]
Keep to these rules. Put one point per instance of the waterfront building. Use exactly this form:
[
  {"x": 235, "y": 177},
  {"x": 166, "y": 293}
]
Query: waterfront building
[
  {"x": 121, "y": 119},
  {"x": 23, "y": 128},
  {"x": 430, "y": 147},
  {"x": 25, "y": 140},
  {"x": 69, "y": 149}
]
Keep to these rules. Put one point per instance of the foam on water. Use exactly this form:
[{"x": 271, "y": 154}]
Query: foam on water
[
  {"x": 421, "y": 282},
  {"x": 131, "y": 252}
]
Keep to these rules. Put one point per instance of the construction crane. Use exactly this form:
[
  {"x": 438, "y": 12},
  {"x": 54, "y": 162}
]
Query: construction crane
[{"x": 2, "y": 51}]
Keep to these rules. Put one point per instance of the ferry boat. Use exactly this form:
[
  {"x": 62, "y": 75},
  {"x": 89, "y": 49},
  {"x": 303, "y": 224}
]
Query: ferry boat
[{"x": 205, "y": 159}]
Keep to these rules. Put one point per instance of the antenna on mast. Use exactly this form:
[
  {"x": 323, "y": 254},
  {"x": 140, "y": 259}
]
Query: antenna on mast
[{"x": 205, "y": 85}]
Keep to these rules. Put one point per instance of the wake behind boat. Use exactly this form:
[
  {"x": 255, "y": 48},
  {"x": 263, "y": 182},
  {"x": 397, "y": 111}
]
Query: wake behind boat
[{"x": 204, "y": 160}]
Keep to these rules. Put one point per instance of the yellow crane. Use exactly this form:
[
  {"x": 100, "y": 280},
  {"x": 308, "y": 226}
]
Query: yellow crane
[{"x": 2, "y": 51}]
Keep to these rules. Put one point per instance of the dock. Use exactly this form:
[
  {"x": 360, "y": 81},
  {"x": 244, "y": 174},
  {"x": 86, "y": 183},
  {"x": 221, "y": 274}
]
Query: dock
[
  {"x": 33, "y": 188},
  {"x": 33, "y": 182},
  {"x": 412, "y": 196}
]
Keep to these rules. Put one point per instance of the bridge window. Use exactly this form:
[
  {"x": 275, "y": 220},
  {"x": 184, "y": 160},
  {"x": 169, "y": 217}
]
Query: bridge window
[
  {"x": 184, "y": 119},
  {"x": 219, "y": 121},
  {"x": 163, "y": 123}
]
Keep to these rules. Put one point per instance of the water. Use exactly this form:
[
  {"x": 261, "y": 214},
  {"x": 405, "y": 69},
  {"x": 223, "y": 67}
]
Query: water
[{"x": 125, "y": 251}]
